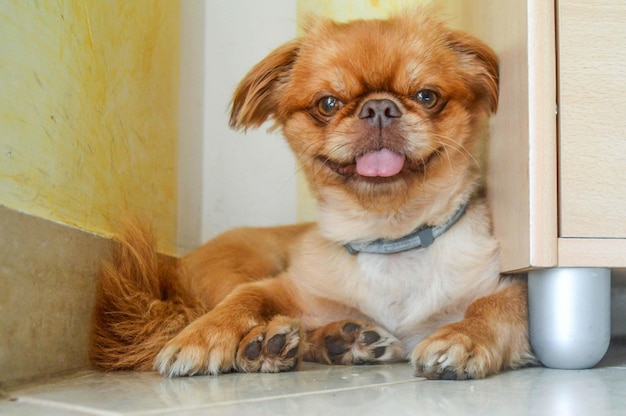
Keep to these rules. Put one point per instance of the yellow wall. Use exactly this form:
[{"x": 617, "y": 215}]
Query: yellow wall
[{"x": 88, "y": 111}]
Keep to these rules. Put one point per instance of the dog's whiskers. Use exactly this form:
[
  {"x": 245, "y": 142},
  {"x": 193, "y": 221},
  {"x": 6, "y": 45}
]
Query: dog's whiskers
[{"x": 456, "y": 146}]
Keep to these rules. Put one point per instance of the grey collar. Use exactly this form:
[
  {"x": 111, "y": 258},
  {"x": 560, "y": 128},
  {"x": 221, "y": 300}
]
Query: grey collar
[{"x": 420, "y": 238}]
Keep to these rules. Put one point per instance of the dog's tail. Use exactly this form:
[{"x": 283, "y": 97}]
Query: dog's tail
[{"x": 141, "y": 303}]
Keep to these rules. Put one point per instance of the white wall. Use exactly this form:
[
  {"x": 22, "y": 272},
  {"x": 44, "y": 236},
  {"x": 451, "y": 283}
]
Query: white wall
[
  {"x": 226, "y": 178},
  {"x": 191, "y": 125}
]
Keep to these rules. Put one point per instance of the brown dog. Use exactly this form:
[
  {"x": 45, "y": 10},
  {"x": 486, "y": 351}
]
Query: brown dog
[{"x": 385, "y": 118}]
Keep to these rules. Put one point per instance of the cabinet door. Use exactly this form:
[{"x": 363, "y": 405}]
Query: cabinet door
[{"x": 592, "y": 117}]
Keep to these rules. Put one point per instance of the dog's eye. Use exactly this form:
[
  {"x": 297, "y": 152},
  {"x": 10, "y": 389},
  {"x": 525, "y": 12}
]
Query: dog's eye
[
  {"x": 427, "y": 98},
  {"x": 329, "y": 106}
]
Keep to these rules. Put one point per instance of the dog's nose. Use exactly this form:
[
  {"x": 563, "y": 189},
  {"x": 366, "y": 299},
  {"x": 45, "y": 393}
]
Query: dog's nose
[{"x": 380, "y": 113}]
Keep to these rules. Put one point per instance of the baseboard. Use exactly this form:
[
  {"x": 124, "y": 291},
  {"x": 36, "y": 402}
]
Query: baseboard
[{"x": 48, "y": 275}]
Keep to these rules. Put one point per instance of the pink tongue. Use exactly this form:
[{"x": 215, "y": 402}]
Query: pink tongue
[{"x": 383, "y": 163}]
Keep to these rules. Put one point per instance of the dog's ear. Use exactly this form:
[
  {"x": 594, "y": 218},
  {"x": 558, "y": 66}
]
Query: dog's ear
[
  {"x": 481, "y": 65},
  {"x": 256, "y": 97}
]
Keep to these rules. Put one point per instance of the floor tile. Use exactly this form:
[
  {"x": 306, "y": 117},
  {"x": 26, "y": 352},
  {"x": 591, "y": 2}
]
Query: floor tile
[
  {"x": 333, "y": 390},
  {"x": 535, "y": 392},
  {"x": 134, "y": 393},
  {"x": 29, "y": 409}
]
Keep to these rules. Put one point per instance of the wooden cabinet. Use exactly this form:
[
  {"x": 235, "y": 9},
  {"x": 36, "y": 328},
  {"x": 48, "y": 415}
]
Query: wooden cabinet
[
  {"x": 557, "y": 163},
  {"x": 557, "y": 154},
  {"x": 592, "y": 119}
]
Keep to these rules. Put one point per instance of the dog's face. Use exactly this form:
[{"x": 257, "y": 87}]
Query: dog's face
[{"x": 384, "y": 116}]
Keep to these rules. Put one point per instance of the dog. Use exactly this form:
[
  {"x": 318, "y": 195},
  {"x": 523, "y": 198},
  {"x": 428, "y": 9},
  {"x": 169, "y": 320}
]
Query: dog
[{"x": 386, "y": 119}]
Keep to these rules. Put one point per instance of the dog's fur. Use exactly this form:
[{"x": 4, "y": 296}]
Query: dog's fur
[{"x": 261, "y": 300}]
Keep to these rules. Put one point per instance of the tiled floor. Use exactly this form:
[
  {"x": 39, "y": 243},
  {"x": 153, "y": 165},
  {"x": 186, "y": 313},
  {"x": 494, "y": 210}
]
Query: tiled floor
[{"x": 325, "y": 390}]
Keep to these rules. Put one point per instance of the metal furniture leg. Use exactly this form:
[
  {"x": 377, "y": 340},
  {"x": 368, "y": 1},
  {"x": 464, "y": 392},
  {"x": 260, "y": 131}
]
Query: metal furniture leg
[{"x": 570, "y": 316}]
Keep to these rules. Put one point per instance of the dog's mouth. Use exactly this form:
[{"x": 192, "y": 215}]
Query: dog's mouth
[{"x": 379, "y": 164}]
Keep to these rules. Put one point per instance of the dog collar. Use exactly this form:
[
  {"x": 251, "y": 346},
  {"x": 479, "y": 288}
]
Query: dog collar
[{"x": 420, "y": 238}]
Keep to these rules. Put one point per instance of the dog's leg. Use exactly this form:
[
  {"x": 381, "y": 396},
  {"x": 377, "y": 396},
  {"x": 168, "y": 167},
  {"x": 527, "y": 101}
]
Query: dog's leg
[
  {"x": 353, "y": 342},
  {"x": 492, "y": 337},
  {"x": 239, "y": 256},
  {"x": 250, "y": 331}
]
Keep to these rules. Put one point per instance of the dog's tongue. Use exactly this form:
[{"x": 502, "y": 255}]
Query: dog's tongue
[{"x": 383, "y": 163}]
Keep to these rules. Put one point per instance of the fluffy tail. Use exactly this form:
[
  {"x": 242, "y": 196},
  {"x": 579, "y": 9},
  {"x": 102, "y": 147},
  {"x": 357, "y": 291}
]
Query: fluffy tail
[{"x": 141, "y": 303}]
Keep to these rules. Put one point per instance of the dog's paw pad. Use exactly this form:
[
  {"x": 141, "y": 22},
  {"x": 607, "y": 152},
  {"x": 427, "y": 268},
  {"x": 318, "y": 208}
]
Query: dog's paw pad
[
  {"x": 275, "y": 344},
  {"x": 360, "y": 343},
  {"x": 252, "y": 351},
  {"x": 271, "y": 348}
]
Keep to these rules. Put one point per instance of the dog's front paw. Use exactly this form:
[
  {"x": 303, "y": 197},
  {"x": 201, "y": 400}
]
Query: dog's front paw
[
  {"x": 199, "y": 349},
  {"x": 354, "y": 342},
  {"x": 454, "y": 354},
  {"x": 205, "y": 348},
  {"x": 271, "y": 348}
]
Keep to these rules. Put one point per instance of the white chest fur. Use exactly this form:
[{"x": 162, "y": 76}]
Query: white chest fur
[{"x": 411, "y": 293}]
